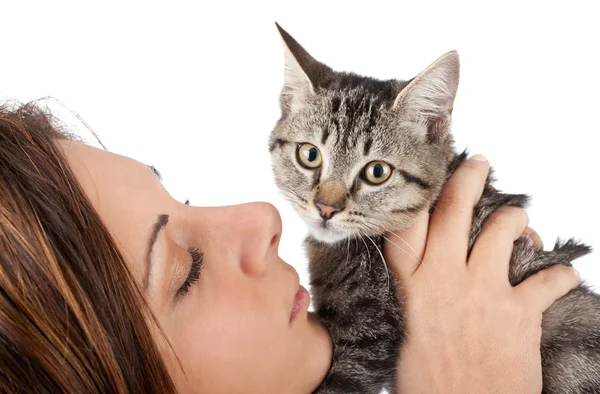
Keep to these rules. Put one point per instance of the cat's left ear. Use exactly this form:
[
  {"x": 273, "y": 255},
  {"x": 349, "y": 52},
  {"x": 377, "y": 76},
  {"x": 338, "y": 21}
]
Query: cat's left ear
[
  {"x": 428, "y": 99},
  {"x": 302, "y": 74}
]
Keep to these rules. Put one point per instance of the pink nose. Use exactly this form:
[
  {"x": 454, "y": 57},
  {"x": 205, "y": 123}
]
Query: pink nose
[{"x": 326, "y": 210}]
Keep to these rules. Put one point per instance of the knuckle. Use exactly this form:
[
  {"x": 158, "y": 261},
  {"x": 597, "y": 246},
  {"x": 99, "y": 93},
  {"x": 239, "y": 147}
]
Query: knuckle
[
  {"x": 562, "y": 272},
  {"x": 453, "y": 197},
  {"x": 506, "y": 217},
  {"x": 544, "y": 277},
  {"x": 496, "y": 220}
]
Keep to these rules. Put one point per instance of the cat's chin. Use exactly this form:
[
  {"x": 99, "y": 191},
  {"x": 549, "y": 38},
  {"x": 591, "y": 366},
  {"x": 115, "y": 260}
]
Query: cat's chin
[{"x": 326, "y": 235}]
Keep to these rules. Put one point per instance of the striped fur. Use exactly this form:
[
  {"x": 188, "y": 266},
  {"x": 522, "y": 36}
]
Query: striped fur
[{"x": 354, "y": 120}]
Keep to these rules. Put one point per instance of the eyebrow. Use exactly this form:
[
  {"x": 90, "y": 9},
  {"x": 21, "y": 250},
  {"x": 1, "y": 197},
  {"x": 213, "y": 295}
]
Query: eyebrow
[{"x": 161, "y": 222}]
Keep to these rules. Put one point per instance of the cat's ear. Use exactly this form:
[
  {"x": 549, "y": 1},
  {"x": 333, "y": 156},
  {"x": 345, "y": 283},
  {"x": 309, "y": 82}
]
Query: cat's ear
[
  {"x": 302, "y": 74},
  {"x": 428, "y": 98}
]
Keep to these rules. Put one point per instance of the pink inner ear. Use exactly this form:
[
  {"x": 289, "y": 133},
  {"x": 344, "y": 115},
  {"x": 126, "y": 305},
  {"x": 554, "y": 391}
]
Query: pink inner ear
[{"x": 286, "y": 99}]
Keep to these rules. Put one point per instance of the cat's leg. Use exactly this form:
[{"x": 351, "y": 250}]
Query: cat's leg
[{"x": 570, "y": 344}]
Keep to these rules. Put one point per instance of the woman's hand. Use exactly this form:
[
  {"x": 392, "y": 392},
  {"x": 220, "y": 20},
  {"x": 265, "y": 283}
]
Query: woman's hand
[{"x": 468, "y": 329}]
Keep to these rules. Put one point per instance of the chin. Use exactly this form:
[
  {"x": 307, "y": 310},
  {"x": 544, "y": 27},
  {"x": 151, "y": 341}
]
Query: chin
[{"x": 327, "y": 235}]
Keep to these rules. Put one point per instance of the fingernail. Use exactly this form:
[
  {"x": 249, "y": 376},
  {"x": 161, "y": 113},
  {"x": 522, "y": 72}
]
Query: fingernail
[
  {"x": 530, "y": 240},
  {"x": 578, "y": 274},
  {"x": 478, "y": 158}
]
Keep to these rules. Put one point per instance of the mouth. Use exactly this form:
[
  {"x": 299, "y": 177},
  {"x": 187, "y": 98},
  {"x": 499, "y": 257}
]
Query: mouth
[{"x": 301, "y": 301}]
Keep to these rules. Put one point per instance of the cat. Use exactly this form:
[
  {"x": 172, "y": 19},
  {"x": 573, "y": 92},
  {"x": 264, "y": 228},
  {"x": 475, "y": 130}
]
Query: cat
[{"x": 357, "y": 157}]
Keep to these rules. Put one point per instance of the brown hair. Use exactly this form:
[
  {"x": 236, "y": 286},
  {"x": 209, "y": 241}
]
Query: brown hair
[{"x": 71, "y": 317}]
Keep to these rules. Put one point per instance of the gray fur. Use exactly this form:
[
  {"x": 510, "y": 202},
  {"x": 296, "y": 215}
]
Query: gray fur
[{"x": 354, "y": 120}]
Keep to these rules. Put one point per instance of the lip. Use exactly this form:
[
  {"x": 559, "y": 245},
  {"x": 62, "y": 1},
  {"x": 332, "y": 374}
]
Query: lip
[{"x": 301, "y": 301}]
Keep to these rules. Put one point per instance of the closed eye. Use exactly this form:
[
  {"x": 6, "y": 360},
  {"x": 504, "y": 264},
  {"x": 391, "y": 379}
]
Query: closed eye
[{"x": 194, "y": 274}]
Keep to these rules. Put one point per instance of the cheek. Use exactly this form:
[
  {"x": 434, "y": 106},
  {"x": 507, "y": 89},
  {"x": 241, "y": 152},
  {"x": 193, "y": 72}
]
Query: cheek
[
  {"x": 289, "y": 174},
  {"x": 232, "y": 340}
]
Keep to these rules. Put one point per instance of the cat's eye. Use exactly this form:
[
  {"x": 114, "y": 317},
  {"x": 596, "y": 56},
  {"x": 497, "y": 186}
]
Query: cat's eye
[
  {"x": 376, "y": 172},
  {"x": 309, "y": 156}
]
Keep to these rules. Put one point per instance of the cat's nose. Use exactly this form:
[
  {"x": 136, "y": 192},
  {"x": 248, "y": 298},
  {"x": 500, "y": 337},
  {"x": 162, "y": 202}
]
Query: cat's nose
[{"x": 328, "y": 210}]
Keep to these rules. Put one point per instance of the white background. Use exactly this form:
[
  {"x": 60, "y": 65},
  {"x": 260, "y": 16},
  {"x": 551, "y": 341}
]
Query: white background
[{"x": 192, "y": 87}]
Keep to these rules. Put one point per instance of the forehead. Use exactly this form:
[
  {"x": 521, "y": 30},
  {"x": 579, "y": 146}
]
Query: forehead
[
  {"x": 106, "y": 177},
  {"x": 350, "y": 125},
  {"x": 122, "y": 191}
]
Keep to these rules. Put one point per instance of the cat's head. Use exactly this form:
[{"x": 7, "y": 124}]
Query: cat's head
[{"x": 356, "y": 155}]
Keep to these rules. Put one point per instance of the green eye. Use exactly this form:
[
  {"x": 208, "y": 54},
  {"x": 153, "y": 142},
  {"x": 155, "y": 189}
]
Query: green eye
[
  {"x": 377, "y": 172},
  {"x": 309, "y": 156}
]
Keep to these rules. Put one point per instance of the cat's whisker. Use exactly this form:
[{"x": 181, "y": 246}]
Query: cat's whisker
[
  {"x": 418, "y": 258},
  {"x": 292, "y": 192},
  {"x": 293, "y": 200},
  {"x": 366, "y": 247},
  {"x": 406, "y": 229},
  {"x": 370, "y": 225},
  {"x": 432, "y": 205},
  {"x": 416, "y": 235},
  {"x": 348, "y": 250},
  {"x": 296, "y": 204},
  {"x": 383, "y": 261},
  {"x": 408, "y": 336},
  {"x": 415, "y": 256}
]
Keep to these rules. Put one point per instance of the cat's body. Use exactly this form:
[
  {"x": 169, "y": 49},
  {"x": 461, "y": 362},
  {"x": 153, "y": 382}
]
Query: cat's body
[
  {"x": 350, "y": 287},
  {"x": 334, "y": 127}
]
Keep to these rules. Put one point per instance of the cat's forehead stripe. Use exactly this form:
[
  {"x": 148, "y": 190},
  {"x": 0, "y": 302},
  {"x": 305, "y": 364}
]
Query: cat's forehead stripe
[
  {"x": 316, "y": 177},
  {"x": 325, "y": 135},
  {"x": 353, "y": 117},
  {"x": 335, "y": 104},
  {"x": 367, "y": 146}
]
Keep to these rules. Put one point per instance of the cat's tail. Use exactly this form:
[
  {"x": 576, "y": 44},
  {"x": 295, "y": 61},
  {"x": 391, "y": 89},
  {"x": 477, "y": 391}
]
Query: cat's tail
[{"x": 565, "y": 252}]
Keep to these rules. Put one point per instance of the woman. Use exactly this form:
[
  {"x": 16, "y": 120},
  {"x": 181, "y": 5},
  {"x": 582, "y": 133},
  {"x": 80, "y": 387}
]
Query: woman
[{"x": 110, "y": 285}]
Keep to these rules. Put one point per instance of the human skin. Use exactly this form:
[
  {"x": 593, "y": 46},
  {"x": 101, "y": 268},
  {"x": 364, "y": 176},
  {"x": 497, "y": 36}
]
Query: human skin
[
  {"x": 233, "y": 332},
  {"x": 469, "y": 330}
]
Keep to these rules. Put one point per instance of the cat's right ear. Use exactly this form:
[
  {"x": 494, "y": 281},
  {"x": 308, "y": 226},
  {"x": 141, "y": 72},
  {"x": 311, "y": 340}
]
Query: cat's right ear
[
  {"x": 428, "y": 99},
  {"x": 302, "y": 74}
]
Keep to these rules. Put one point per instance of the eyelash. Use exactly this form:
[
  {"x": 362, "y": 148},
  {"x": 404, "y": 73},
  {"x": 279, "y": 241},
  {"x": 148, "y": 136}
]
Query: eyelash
[
  {"x": 194, "y": 275},
  {"x": 155, "y": 171}
]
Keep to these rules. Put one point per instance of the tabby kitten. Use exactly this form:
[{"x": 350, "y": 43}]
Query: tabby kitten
[{"x": 357, "y": 157}]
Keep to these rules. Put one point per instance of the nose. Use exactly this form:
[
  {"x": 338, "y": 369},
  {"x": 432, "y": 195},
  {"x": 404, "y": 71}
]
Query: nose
[
  {"x": 249, "y": 235},
  {"x": 327, "y": 210}
]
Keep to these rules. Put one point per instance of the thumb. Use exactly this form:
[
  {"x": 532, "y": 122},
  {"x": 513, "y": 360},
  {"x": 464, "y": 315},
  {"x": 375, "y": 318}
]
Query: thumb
[{"x": 404, "y": 249}]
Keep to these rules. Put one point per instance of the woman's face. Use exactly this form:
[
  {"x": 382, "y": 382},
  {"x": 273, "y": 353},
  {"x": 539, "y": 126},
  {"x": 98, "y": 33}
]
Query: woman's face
[{"x": 242, "y": 326}]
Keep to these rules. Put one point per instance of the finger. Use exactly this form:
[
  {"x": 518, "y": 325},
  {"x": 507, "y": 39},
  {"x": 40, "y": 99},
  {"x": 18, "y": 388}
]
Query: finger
[
  {"x": 546, "y": 286},
  {"x": 450, "y": 223},
  {"x": 493, "y": 246},
  {"x": 403, "y": 249},
  {"x": 533, "y": 238}
]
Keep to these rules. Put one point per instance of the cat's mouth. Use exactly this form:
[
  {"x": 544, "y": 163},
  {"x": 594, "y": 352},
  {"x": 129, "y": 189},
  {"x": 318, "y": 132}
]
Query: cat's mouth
[
  {"x": 334, "y": 229},
  {"x": 326, "y": 233},
  {"x": 327, "y": 230}
]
